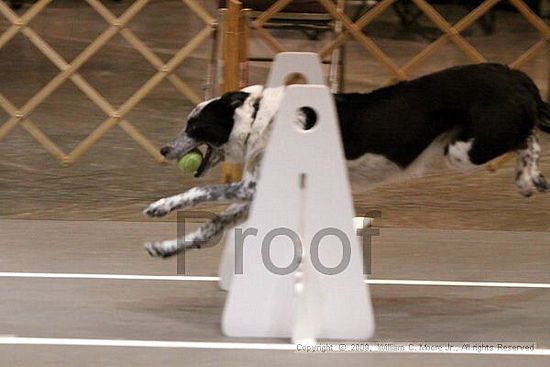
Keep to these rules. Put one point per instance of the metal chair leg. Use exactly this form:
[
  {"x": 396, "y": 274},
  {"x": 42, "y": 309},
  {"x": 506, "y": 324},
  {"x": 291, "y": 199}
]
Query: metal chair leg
[
  {"x": 214, "y": 66},
  {"x": 211, "y": 71},
  {"x": 335, "y": 70}
]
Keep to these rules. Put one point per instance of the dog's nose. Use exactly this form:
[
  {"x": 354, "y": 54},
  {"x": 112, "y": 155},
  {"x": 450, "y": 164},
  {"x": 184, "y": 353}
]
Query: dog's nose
[{"x": 165, "y": 150}]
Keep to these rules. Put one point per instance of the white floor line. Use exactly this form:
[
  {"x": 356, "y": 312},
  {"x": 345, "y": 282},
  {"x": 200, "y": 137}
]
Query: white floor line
[
  {"x": 450, "y": 283},
  {"x": 143, "y": 343},
  {"x": 215, "y": 279},
  {"x": 225, "y": 345},
  {"x": 108, "y": 276}
]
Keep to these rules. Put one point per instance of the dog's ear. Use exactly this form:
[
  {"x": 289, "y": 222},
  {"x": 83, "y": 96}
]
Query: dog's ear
[{"x": 234, "y": 99}]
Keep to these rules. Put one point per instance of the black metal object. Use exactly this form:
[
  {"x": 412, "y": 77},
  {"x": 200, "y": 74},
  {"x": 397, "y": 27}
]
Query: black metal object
[{"x": 16, "y": 4}]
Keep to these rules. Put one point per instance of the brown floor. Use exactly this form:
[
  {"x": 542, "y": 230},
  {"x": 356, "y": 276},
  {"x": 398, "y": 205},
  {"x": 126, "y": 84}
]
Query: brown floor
[
  {"x": 191, "y": 310},
  {"x": 115, "y": 180}
]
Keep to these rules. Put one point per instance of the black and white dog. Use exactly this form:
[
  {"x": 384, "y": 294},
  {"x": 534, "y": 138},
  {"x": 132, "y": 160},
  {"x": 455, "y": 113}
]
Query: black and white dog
[{"x": 466, "y": 115}]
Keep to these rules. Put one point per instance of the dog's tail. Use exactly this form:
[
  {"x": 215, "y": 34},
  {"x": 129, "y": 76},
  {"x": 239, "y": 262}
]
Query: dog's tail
[
  {"x": 543, "y": 108},
  {"x": 543, "y": 118}
]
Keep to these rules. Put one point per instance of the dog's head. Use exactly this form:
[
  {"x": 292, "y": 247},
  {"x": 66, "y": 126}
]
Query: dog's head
[{"x": 209, "y": 125}]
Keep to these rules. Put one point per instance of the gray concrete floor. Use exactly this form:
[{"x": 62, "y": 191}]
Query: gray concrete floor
[{"x": 86, "y": 218}]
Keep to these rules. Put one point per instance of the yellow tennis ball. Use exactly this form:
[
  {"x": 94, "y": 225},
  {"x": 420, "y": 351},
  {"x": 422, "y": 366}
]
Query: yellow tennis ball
[{"x": 190, "y": 162}]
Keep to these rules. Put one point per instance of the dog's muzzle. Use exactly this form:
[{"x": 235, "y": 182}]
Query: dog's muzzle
[
  {"x": 184, "y": 144},
  {"x": 180, "y": 147}
]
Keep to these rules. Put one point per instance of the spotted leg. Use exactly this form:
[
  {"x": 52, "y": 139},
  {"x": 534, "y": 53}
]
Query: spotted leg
[
  {"x": 205, "y": 236},
  {"x": 529, "y": 178},
  {"x": 235, "y": 192}
]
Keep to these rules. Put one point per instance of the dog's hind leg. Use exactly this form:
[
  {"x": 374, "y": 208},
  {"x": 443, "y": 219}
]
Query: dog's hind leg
[
  {"x": 235, "y": 192},
  {"x": 529, "y": 178},
  {"x": 205, "y": 236}
]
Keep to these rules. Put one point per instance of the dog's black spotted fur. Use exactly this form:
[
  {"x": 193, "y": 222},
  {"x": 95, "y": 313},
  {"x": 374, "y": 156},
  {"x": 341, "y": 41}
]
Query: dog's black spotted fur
[{"x": 483, "y": 111}]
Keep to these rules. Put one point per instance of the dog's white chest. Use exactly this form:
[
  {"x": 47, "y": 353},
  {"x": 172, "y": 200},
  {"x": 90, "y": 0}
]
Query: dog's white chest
[{"x": 371, "y": 170}]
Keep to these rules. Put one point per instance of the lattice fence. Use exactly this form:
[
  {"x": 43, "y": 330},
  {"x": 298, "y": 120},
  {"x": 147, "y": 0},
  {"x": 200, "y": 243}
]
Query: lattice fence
[
  {"x": 451, "y": 33},
  {"x": 116, "y": 115},
  {"x": 19, "y": 115}
]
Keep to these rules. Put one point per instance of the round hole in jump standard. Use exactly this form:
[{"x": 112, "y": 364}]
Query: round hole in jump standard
[{"x": 306, "y": 118}]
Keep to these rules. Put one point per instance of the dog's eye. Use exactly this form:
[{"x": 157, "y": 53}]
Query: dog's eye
[
  {"x": 197, "y": 132},
  {"x": 191, "y": 129}
]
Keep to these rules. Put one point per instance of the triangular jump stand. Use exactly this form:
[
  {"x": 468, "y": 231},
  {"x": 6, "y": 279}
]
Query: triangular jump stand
[{"x": 302, "y": 274}]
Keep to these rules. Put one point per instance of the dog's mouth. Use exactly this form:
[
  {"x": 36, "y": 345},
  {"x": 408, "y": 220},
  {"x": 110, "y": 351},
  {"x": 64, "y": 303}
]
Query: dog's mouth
[{"x": 211, "y": 156}]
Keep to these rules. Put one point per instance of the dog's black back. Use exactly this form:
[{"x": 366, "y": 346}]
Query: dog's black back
[{"x": 489, "y": 102}]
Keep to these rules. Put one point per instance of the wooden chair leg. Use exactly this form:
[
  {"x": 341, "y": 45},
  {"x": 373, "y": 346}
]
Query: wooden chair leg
[{"x": 232, "y": 172}]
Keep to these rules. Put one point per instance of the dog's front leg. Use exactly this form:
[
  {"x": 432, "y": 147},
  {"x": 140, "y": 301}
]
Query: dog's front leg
[
  {"x": 205, "y": 236},
  {"x": 240, "y": 191}
]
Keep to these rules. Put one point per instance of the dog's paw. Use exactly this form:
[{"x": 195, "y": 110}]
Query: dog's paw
[
  {"x": 525, "y": 183},
  {"x": 528, "y": 184},
  {"x": 157, "y": 249},
  {"x": 158, "y": 209},
  {"x": 541, "y": 184},
  {"x": 527, "y": 190}
]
